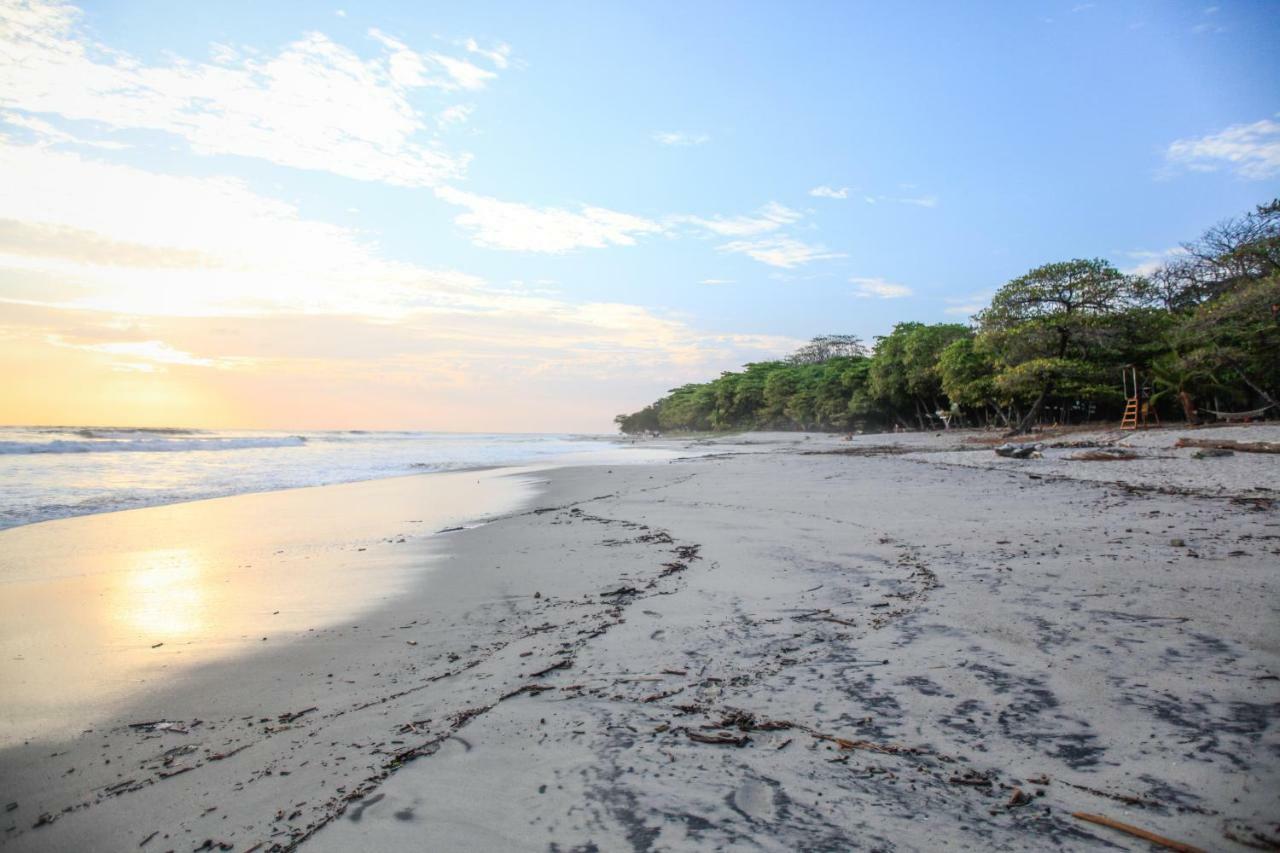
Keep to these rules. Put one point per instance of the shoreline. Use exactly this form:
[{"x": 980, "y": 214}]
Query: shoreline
[{"x": 871, "y": 626}]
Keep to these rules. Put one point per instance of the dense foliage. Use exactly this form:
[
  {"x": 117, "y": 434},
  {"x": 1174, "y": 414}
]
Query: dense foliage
[{"x": 1202, "y": 330}]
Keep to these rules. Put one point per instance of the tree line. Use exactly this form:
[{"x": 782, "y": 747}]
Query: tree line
[{"x": 1202, "y": 330}]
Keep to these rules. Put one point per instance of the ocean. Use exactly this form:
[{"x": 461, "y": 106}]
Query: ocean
[{"x": 57, "y": 472}]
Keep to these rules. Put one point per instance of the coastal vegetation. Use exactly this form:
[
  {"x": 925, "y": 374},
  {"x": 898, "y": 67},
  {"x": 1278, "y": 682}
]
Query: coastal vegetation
[{"x": 1201, "y": 330}]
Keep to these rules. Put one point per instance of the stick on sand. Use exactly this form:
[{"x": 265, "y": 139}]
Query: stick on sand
[{"x": 1141, "y": 833}]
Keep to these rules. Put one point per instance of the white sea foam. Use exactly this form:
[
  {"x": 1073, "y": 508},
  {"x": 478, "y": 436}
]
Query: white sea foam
[{"x": 55, "y": 472}]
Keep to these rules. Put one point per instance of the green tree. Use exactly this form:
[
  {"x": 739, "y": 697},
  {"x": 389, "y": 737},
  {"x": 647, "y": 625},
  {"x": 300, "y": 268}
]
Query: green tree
[{"x": 1050, "y": 329}]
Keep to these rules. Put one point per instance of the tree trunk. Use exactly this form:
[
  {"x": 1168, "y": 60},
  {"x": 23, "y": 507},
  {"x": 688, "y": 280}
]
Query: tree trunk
[
  {"x": 1189, "y": 408},
  {"x": 1001, "y": 413},
  {"x": 1024, "y": 425}
]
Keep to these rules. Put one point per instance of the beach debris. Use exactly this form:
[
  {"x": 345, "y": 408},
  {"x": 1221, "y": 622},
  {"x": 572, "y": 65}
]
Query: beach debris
[
  {"x": 168, "y": 774},
  {"x": 1212, "y": 453},
  {"x": 1010, "y": 450},
  {"x": 219, "y": 756},
  {"x": 563, "y": 663},
  {"x": 9, "y": 807},
  {"x": 44, "y": 820},
  {"x": 531, "y": 689},
  {"x": 749, "y": 722},
  {"x": 1138, "y": 832},
  {"x": 1105, "y": 454},
  {"x": 1178, "y": 543},
  {"x": 1019, "y": 797},
  {"x": 1230, "y": 445},
  {"x": 1259, "y": 504},
  {"x": 148, "y": 838},
  {"x": 293, "y": 715},
  {"x": 622, "y": 590},
  {"x": 177, "y": 727},
  {"x": 157, "y": 645},
  {"x": 718, "y": 738}
]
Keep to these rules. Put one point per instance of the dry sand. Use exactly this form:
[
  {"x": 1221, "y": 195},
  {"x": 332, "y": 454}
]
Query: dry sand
[{"x": 898, "y": 642}]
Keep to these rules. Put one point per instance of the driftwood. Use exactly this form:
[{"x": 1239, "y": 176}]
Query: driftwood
[
  {"x": 1104, "y": 454},
  {"x": 718, "y": 738},
  {"x": 1228, "y": 444},
  {"x": 1018, "y": 451},
  {"x": 1138, "y": 832}
]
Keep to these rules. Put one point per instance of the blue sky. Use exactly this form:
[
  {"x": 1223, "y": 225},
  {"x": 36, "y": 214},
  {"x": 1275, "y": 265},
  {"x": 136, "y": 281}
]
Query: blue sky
[{"x": 532, "y": 216}]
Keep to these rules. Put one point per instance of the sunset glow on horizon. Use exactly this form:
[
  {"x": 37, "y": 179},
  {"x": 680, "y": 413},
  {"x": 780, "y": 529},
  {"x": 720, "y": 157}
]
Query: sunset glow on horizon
[{"x": 308, "y": 218}]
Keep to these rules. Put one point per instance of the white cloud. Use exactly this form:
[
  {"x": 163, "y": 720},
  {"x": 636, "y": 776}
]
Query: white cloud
[
  {"x": 1145, "y": 262},
  {"x": 771, "y": 217},
  {"x": 464, "y": 74},
  {"x": 498, "y": 224},
  {"x": 113, "y": 236},
  {"x": 1252, "y": 151},
  {"x": 313, "y": 105},
  {"x": 144, "y": 356},
  {"x": 678, "y": 137},
  {"x": 716, "y": 281},
  {"x": 456, "y": 114},
  {"x": 780, "y": 251},
  {"x": 967, "y": 306},
  {"x": 499, "y": 54},
  {"x": 169, "y": 258},
  {"x": 917, "y": 201},
  {"x": 829, "y": 192},
  {"x": 878, "y": 288},
  {"x": 46, "y": 133}
]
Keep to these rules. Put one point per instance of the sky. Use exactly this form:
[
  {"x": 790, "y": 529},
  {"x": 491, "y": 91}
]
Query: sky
[{"x": 531, "y": 217}]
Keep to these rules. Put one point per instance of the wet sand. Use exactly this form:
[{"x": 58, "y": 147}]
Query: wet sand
[{"x": 795, "y": 643}]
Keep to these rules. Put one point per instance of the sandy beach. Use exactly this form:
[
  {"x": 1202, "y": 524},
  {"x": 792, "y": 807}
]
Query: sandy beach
[{"x": 786, "y": 641}]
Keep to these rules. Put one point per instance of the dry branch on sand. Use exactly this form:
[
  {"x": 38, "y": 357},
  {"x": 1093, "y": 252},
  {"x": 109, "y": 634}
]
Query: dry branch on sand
[{"x": 1230, "y": 444}]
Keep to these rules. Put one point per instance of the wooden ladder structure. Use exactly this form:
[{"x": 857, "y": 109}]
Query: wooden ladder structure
[
  {"x": 1137, "y": 411},
  {"x": 1130, "y": 419}
]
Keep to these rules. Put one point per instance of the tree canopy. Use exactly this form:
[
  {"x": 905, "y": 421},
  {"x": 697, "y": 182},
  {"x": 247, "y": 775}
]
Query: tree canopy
[{"x": 1050, "y": 345}]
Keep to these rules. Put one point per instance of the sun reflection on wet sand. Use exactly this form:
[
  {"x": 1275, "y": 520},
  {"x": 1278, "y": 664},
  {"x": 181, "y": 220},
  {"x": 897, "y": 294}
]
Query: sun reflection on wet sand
[
  {"x": 163, "y": 595},
  {"x": 98, "y": 609}
]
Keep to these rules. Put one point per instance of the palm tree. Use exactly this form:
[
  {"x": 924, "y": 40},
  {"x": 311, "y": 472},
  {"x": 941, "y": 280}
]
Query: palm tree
[{"x": 1177, "y": 374}]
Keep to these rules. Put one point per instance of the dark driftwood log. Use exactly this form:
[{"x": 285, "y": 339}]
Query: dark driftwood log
[{"x": 1227, "y": 444}]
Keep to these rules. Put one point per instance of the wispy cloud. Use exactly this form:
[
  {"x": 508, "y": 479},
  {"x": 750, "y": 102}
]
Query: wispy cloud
[
  {"x": 45, "y": 133},
  {"x": 499, "y": 54},
  {"x": 967, "y": 306},
  {"x": 915, "y": 201},
  {"x": 680, "y": 137},
  {"x": 780, "y": 251},
  {"x": 1251, "y": 151},
  {"x": 315, "y": 104},
  {"x": 829, "y": 192},
  {"x": 716, "y": 281},
  {"x": 1145, "y": 262},
  {"x": 878, "y": 288},
  {"x": 498, "y": 224},
  {"x": 771, "y": 217},
  {"x": 149, "y": 356},
  {"x": 145, "y": 284},
  {"x": 456, "y": 114}
]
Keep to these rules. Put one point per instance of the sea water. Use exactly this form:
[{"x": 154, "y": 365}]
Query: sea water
[{"x": 58, "y": 472}]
